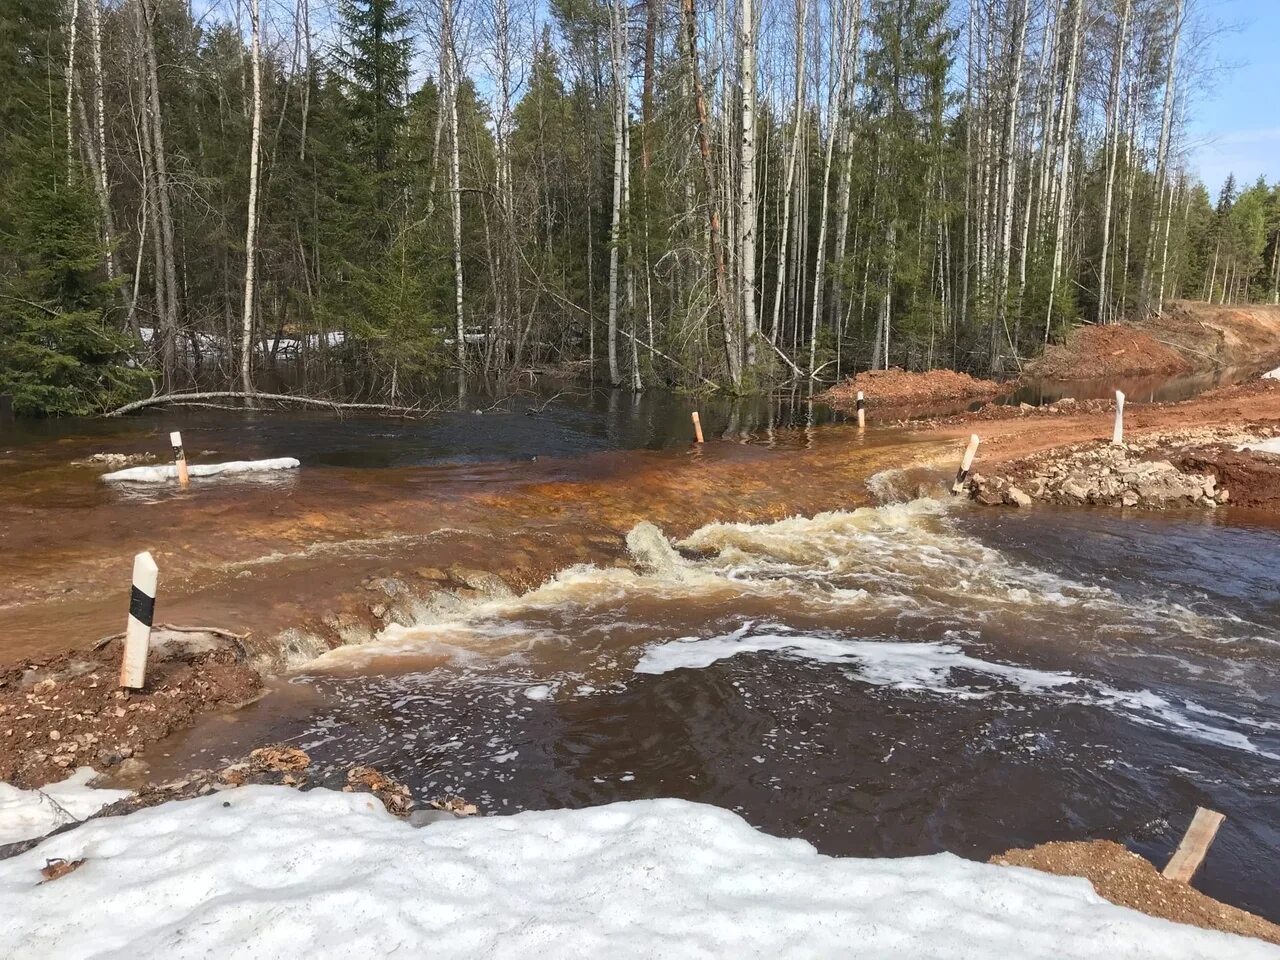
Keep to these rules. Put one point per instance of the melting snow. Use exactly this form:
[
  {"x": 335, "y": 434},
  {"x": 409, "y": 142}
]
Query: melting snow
[
  {"x": 170, "y": 471},
  {"x": 33, "y": 813},
  {"x": 269, "y": 872}
]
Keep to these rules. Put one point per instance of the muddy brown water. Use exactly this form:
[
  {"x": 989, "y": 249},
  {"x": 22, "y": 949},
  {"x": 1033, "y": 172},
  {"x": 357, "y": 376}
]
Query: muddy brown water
[{"x": 829, "y": 653}]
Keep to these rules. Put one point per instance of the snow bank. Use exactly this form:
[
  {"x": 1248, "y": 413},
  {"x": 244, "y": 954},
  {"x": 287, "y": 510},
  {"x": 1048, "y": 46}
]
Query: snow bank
[
  {"x": 269, "y": 872},
  {"x": 33, "y": 813},
  {"x": 170, "y": 472}
]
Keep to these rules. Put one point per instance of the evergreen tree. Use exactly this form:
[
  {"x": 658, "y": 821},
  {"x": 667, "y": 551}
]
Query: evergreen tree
[{"x": 59, "y": 353}]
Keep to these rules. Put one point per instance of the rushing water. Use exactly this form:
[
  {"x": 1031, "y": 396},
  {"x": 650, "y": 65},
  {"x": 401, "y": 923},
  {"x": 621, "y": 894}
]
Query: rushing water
[{"x": 895, "y": 678}]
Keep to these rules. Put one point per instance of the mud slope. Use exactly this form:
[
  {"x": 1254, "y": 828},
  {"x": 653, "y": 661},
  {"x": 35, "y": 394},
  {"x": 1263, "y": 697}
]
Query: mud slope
[{"x": 1190, "y": 335}]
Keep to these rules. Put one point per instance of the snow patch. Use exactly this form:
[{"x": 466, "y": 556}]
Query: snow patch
[
  {"x": 170, "y": 471},
  {"x": 25, "y": 814},
  {"x": 269, "y": 872}
]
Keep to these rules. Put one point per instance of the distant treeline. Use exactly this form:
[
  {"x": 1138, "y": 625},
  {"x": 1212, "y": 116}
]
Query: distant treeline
[{"x": 367, "y": 196}]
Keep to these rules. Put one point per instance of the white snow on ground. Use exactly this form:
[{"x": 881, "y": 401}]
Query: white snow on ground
[
  {"x": 1263, "y": 446},
  {"x": 268, "y": 872},
  {"x": 33, "y": 813},
  {"x": 170, "y": 471}
]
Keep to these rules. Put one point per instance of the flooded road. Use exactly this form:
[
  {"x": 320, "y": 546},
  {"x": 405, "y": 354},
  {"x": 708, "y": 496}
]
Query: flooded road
[{"x": 794, "y": 631}]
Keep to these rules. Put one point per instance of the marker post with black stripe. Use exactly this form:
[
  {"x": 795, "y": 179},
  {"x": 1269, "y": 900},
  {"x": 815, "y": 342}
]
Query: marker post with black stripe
[
  {"x": 142, "y": 611},
  {"x": 862, "y": 412},
  {"x": 962, "y": 474},
  {"x": 180, "y": 458}
]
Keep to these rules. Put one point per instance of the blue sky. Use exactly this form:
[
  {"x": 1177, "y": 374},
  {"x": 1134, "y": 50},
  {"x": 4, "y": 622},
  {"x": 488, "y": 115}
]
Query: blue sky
[{"x": 1234, "y": 124}]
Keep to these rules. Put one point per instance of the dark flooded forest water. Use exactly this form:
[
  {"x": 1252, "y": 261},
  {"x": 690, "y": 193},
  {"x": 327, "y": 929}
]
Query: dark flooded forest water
[{"x": 833, "y": 647}]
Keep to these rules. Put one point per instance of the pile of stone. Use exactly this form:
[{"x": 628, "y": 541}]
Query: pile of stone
[{"x": 1100, "y": 475}]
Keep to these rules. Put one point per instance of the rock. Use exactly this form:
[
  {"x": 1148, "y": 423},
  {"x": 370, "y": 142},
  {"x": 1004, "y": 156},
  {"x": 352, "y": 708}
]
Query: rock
[
  {"x": 1223, "y": 496},
  {"x": 989, "y": 498},
  {"x": 490, "y": 585},
  {"x": 379, "y": 610},
  {"x": 1017, "y": 497},
  {"x": 424, "y": 818},
  {"x": 1024, "y": 407},
  {"x": 1073, "y": 489},
  {"x": 431, "y": 573},
  {"x": 132, "y": 768},
  {"x": 1130, "y": 499}
]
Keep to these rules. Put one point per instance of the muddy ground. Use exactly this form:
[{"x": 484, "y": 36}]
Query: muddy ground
[
  {"x": 1129, "y": 880},
  {"x": 1104, "y": 353},
  {"x": 900, "y": 392},
  {"x": 1174, "y": 455},
  {"x": 66, "y": 711}
]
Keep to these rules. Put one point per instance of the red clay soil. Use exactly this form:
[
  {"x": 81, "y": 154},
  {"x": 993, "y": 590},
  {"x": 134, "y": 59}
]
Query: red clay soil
[
  {"x": 1009, "y": 433},
  {"x": 67, "y": 711},
  {"x": 1102, "y": 353},
  {"x": 1128, "y": 880},
  {"x": 1254, "y": 480},
  {"x": 1226, "y": 335},
  {"x": 898, "y": 388}
]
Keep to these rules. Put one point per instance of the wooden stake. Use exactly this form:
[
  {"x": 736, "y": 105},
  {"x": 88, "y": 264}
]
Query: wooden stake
[
  {"x": 963, "y": 473},
  {"x": 697, "y": 427},
  {"x": 142, "y": 609},
  {"x": 179, "y": 457},
  {"x": 1187, "y": 858},
  {"x": 1117, "y": 435},
  {"x": 862, "y": 413}
]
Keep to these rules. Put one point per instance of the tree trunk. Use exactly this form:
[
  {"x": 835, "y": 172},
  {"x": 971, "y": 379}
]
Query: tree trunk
[
  {"x": 1113, "y": 149},
  {"x": 251, "y": 230},
  {"x": 747, "y": 182},
  {"x": 618, "y": 45},
  {"x": 709, "y": 184}
]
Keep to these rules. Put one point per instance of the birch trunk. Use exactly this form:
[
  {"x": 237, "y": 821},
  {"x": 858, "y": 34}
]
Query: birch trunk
[
  {"x": 251, "y": 230},
  {"x": 1113, "y": 149},
  {"x": 1009, "y": 177},
  {"x": 802, "y": 9},
  {"x": 618, "y": 44},
  {"x": 709, "y": 182},
  {"x": 1066, "y": 128},
  {"x": 68, "y": 82},
  {"x": 747, "y": 183},
  {"x": 1164, "y": 214}
]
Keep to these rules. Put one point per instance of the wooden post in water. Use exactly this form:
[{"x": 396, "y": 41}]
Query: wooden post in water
[
  {"x": 697, "y": 427},
  {"x": 142, "y": 610},
  {"x": 862, "y": 412},
  {"x": 965, "y": 463},
  {"x": 1187, "y": 858},
  {"x": 1117, "y": 434},
  {"x": 180, "y": 458}
]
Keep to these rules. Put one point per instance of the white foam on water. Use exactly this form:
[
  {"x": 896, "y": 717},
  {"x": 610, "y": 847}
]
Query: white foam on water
[
  {"x": 931, "y": 668},
  {"x": 161, "y": 474}
]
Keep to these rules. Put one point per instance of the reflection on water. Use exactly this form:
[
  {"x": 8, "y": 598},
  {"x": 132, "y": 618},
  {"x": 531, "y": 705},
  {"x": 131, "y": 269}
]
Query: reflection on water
[{"x": 1161, "y": 388}]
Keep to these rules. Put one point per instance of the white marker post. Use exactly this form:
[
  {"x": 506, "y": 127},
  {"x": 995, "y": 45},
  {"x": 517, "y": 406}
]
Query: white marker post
[
  {"x": 862, "y": 412},
  {"x": 1117, "y": 435},
  {"x": 962, "y": 474},
  {"x": 697, "y": 427},
  {"x": 180, "y": 458},
  {"x": 142, "y": 610}
]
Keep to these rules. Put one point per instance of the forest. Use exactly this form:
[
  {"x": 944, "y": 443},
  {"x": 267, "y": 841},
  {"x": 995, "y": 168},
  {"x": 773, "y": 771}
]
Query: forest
[{"x": 367, "y": 199}]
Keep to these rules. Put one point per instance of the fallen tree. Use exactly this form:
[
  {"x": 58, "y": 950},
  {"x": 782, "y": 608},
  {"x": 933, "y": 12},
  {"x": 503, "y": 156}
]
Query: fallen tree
[{"x": 334, "y": 405}]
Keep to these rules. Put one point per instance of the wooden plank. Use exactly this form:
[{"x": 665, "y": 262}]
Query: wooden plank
[{"x": 1187, "y": 858}]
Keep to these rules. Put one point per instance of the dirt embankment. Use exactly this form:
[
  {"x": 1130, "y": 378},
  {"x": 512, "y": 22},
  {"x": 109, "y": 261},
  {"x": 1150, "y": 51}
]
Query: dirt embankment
[
  {"x": 1188, "y": 336},
  {"x": 899, "y": 390},
  {"x": 1102, "y": 353},
  {"x": 1129, "y": 880},
  {"x": 1175, "y": 454},
  {"x": 68, "y": 710}
]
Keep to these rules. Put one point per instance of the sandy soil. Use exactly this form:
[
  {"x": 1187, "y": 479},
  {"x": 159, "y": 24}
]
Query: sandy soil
[
  {"x": 66, "y": 711},
  {"x": 1129, "y": 880},
  {"x": 1009, "y": 432},
  {"x": 1101, "y": 353},
  {"x": 898, "y": 389}
]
